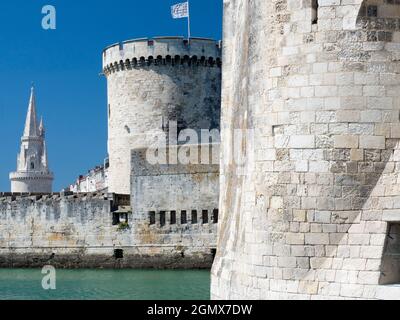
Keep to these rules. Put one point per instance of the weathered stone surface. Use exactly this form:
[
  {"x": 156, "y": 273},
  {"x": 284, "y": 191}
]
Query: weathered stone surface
[
  {"x": 81, "y": 231},
  {"x": 326, "y": 79}
]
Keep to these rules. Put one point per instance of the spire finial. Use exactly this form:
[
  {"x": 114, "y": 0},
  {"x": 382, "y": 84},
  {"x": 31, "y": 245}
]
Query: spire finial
[{"x": 31, "y": 124}]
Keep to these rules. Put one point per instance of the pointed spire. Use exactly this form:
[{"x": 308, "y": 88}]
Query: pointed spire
[
  {"x": 31, "y": 122},
  {"x": 41, "y": 128}
]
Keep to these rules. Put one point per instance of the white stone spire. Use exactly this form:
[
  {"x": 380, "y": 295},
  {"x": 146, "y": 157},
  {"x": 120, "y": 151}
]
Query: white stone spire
[
  {"x": 31, "y": 122},
  {"x": 33, "y": 174}
]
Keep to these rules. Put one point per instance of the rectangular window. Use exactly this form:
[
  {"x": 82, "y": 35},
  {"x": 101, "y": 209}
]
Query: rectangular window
[
  {"x": 173, "y": 217},
  {"x": 372, "y": 11},
  {"x": 118, "y": 254},
  {"x": 194, "y": 216},
  {"x": 162, "y": 218},
  {"x": 115, "y": 218},
  {"x": 215, "y": 215},
  {"x": 314, "y": 11},
  {"x": 152, "y": 216},
  {"x": 205, "y": 216},
  {"x": 183, "y": 217}
]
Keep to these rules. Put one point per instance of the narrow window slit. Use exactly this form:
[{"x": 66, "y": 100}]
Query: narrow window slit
[
  {"x": 173, "y": 217},
  {"x": 314, "y": 12},
  {"x": 215, "y": 215},
  {"x": 205, "y": 216},
  {"x": 183, "y": 217},
  {"x": 162, "y": 218},
  {"x": 152, "y": 216},
  {"x": 194, "y": 216}
]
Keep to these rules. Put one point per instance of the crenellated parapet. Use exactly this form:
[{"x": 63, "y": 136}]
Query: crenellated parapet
[
  {"x": 161, "y": 51},
  {"x": 63, "y": 196}
]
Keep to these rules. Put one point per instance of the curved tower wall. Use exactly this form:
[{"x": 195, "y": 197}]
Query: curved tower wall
[
  {"x": 307, "y": 215},
  {"x": 152, "y": 82}
]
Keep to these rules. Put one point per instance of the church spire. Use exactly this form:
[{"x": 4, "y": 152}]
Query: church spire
[{"x": 31, "y": 129}]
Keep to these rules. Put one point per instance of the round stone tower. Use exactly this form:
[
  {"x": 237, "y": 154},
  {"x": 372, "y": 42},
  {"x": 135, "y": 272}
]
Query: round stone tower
[
  {"x": 313, "y": 211},
  {"x": 151, "y": 83}
]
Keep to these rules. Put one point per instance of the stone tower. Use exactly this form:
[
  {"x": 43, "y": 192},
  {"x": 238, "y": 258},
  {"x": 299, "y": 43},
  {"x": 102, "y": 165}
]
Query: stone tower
[
  {"x": 33, "y": 174},
  {"x": 152, "y": 82},
  {"x": 313, "y": 211}
]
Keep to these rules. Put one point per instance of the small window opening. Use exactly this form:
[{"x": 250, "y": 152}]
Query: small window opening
[
  {"x": 213, "y": 253},
  {"x": 162, "y": 218},
  {"x": 183, "y": 217},
  {"x": 390, "y": 270},
  {"x": 32, "y": 165},
  {"x": 152, "y": 215},
  {"x": 118, "y": 254},
  {"x": 194, "y": 216},
  {"x": 115, "y": 219},
  {"x": 150, "y": 43},
  {"x": 173, "y": 217},
  {"x": 372, "y": 11},
  {"x": 215, "y": 215},
  {"x": 205, "y": 216},
  {"x": 314, "y": 12}
]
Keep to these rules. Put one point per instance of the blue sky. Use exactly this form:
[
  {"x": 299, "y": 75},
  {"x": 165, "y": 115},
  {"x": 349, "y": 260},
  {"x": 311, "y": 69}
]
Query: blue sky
[{"x": 65, "y": 64}]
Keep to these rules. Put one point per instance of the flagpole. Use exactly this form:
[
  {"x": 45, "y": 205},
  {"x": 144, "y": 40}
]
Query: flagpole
[{"x": 188, "y": 20}]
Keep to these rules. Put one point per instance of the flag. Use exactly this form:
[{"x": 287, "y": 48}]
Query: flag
[{"x": 180, "y": 10}]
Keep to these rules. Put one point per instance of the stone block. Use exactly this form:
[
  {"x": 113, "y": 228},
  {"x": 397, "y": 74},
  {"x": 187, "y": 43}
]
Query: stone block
[
  {"x": 372, "y": 142},
  {"x": 346, "y": 141}
]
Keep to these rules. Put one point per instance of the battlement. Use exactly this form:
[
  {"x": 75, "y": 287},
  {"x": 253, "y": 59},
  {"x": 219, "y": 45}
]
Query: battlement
[
  {"x": 59, "y": 196},
  {"x": 161, "y": 51}
]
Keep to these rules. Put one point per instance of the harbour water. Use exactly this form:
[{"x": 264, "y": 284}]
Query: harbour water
[{"x": 26, "y": 284}]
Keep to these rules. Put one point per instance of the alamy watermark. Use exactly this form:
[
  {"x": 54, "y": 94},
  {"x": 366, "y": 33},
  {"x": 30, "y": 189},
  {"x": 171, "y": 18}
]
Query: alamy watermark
[
  {"x": 49, "y": 20},
  {"x": 201, "y": 147},
  {"x": 49, "y": 281}
]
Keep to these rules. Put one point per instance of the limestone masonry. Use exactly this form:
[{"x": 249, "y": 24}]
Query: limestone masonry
[
  {"x": 160, "y": 215},
  {"x": 306, "y": 197},
  {"x": 95, "y": 231},
  {"x": 316, "y": 212}
]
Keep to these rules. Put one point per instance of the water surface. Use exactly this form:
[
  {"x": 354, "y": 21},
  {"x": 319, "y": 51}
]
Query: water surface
[{"x": 26, "y": 284}]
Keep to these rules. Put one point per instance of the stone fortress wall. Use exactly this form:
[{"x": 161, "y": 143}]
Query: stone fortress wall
[
  {"x": 316, "y": 214},
  {"x": 152, "y": 82},
  {"x": 176, "y": 203},
  {"x": 93, "y": 230}
]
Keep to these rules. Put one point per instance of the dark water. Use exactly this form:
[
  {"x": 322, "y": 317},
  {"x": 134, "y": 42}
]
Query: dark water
[{"x": 16, "y": 284}]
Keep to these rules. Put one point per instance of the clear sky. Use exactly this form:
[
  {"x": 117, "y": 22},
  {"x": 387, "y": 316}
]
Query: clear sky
[{"x": 65, "y": 64}]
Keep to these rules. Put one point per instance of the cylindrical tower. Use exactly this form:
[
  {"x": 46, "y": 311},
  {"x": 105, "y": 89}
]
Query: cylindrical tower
[
  {"x": 152, "y": 82},
  {"x": 309, "y": 212}
]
